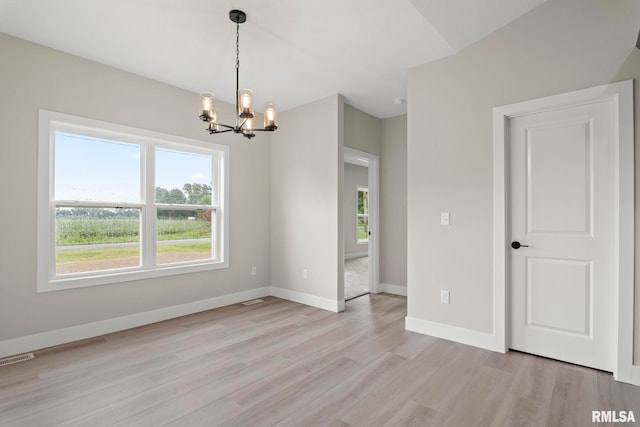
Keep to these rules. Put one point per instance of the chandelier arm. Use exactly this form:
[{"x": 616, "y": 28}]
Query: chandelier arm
[
  {"x": 220, "y": 131},
  {"x": 263, "y": 130},
  {"x": 226, "y": 126},
  {"x": 237, "y": 70}
]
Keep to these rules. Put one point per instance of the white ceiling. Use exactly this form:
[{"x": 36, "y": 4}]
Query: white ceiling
[{"x": 291, "y": 51}]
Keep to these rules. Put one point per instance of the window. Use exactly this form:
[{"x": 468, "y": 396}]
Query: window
[
  {"x": 362, "y": 217},
  {"x": 117, "y": 203}
]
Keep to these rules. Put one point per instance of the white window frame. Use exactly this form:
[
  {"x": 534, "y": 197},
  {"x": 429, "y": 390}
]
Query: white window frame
[
  {"x": 49, "y": 123},
  {"x": 359, "y": 241}
]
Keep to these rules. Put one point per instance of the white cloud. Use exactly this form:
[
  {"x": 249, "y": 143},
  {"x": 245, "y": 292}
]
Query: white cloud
[{"x": 199, "y": 177}]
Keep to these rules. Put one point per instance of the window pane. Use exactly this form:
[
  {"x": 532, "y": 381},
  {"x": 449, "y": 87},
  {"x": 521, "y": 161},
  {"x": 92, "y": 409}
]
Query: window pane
[
  {"x": 184, "y": 235},
  {"x": 183, "y": 177},
  {"x": 363, "y": 201},
  {"x": 94, "y": 169},
  {"x": 363, "y": 228},
  {"x": 93, "y": 239}
]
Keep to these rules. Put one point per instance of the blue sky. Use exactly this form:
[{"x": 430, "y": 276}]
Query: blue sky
[{"x": 94, "y": 169}]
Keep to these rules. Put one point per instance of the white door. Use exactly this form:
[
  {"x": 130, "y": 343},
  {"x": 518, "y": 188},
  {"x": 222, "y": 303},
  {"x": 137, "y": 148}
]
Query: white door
[{"x": 562, "y": 195}]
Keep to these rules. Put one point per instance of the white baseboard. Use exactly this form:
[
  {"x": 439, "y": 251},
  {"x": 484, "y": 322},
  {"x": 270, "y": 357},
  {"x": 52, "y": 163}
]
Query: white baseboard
[
  {"x": 355, "y": 255},
  {"x": 635, "y": 376},
  {"x": 392, "y": 289},
  {"x": 453, "y": 333},
  {"x": 42, "y": 340},
  {"x": 306, "y": 299}
]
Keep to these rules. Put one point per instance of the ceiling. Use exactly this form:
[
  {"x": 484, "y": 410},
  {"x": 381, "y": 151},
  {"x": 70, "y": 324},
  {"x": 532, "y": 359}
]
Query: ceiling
[{"x": 291, "y": 51}]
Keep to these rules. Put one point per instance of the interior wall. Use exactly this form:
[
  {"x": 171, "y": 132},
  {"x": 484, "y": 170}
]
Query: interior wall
[
  {"x": 34, "y": 77},
  {"x": 354, "y": 176},
  {"x": 306, "y": 200},
  {"x": 562, "y": 45},
  {"x": 386, "y": 138},
  {"x": 393, "y": 197},
  {"x": 362, "y": 131}
]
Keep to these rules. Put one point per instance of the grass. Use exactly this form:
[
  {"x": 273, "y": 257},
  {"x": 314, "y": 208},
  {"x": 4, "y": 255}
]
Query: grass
[
  {"x": 114, "y": 253},
  {"x": 71, "y": 232},
  {"x": 362, "y": 232}
]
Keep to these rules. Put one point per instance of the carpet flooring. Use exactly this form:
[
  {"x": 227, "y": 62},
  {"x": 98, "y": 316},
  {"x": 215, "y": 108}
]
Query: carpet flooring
[{"x": 356, "y": 277}]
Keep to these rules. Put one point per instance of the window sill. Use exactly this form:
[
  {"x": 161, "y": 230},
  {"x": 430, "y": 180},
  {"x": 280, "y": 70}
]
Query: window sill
[{"x": 107, "y": 277}]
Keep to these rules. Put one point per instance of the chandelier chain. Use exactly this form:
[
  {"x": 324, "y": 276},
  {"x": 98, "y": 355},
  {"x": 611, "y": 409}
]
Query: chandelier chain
[{"x": 237, "y": 46}]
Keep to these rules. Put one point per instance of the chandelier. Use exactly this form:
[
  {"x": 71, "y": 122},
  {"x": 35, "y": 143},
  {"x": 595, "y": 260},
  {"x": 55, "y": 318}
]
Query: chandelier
[{"x": 244, "y": 100}]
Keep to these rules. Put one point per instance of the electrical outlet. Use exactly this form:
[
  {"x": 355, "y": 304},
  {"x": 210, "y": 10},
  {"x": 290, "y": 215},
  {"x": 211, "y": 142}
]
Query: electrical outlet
[
  {"x": 254, "y": 270},
  {"x": 444, "y": 297},
  {"x": 444, "y": 218},
  {"x": 305, "y": 273}
]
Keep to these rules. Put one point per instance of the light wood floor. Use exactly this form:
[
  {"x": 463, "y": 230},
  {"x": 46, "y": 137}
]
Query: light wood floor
[{"x": 281, "y": 363}]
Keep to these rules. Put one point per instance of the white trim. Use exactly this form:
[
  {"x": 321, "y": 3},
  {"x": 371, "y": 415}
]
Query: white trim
[
  {"x": 372, "y": 163},
  {"x": 452, "y": 333},
  {"x": 307, "y": 299},
  {"x": 393, "y": 289},
  {"x": 621, "y": 94},
  {"x": 634, "y": 375},
  {"x": 355, "y": 255},
  {"x": 47, "y": 339},
  {"x": 47, "y": 280}
]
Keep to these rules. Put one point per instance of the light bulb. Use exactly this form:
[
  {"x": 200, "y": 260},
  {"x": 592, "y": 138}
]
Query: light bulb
[
  {"x": 207, "y": 106},
  {"x": 245, "y": 103},
  {"x": 270, "y": 116}
]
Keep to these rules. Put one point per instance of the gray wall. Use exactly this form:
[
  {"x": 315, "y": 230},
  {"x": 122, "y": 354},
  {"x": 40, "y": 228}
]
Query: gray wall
[
  {"x": 34, "y": 77},
  {"x": 281, "y": 224},
  {"x": 386, "y": 138},
  {"x": 362, "y": 131},
  {"x": 354, "y": 177},
  {"x": 393, "y": 197},
  {"x": 306, "y": 200},
  {"x": 561, "y": 46}
]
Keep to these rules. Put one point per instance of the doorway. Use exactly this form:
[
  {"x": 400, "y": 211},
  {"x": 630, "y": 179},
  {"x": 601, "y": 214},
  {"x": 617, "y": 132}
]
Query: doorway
[
  {"x": 563, "y": 182},
  {"x": 360, "y": 223}
]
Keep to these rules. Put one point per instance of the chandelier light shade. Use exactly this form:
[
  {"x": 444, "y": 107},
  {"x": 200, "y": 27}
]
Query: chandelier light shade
[{"x": 244, "y": 123}]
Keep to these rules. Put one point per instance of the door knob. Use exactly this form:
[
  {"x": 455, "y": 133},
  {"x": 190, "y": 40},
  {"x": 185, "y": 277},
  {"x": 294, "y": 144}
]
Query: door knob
[{"x": 517, "y": 245}]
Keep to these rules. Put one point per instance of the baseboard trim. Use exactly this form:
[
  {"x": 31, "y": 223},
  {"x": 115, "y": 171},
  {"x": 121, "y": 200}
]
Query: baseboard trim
[
  {"x": 453, "y": 333},
  {"x": 47, "y": 339},
  {"x": 355, "y": 255},
  {"x": 392, "y": 289},
  {"x": 306, "y": 299},
  {"x": 635, "y": 376}
]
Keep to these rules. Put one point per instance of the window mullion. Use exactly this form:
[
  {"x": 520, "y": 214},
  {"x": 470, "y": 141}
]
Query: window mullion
[
  {"x": 75, "y": 203},
  {"x": 105, "y": 213},
  {"x": 149, "y": 224}
]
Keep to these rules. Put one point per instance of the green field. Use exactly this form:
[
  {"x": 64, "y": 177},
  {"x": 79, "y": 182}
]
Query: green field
[{"x": 125, "y": 230}]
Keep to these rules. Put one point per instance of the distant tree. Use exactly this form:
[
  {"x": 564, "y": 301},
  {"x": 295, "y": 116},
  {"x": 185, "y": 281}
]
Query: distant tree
[
  {"x": 197, "y": 194},
  {"x": 162, "y": 194},
  {"x": 174, "y": 196}
]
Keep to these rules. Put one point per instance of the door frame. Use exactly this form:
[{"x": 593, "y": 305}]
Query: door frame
[
  {"x": 371, "y": 162},
  {"x": 621, "y": 94}
]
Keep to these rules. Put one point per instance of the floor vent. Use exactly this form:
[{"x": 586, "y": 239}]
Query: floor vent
[
  {"x": 253, "y": 301},
  {"x": 16, "y": 359}
]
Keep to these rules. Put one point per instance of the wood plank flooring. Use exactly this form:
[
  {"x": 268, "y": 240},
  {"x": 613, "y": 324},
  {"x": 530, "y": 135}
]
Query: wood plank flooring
[{"x": 286, "y": 364}]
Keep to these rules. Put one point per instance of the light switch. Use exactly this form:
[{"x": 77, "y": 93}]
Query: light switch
[
  {"x": 444, "y": 218},
  {"x": 444, "y": 297}
]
